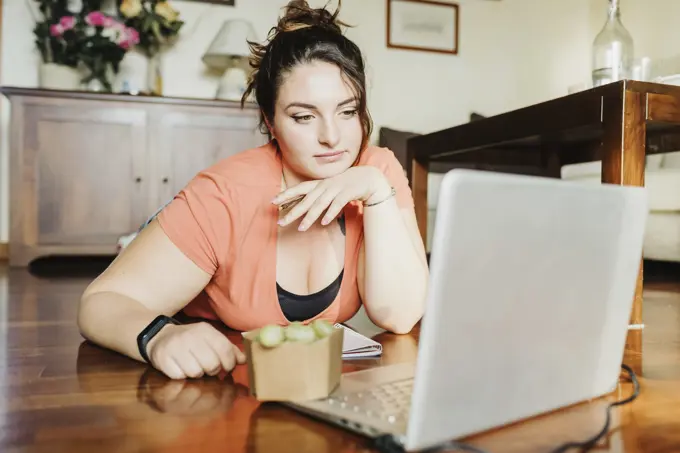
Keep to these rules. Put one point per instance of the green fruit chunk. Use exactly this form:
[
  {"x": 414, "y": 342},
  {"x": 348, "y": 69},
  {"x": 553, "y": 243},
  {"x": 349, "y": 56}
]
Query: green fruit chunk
[
  {"x": 299, "y": 332},
  {"x": 322, "y": 328},
  {"x": 271, "y": 336}
]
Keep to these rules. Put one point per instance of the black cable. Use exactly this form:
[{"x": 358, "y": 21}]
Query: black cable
[
  {"x": 388, "y": 444},
  {"x": 590, "y": 443}
]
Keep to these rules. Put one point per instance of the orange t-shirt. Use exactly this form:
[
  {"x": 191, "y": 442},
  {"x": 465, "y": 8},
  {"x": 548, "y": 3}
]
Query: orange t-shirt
[{"x": 225, "y": 222}]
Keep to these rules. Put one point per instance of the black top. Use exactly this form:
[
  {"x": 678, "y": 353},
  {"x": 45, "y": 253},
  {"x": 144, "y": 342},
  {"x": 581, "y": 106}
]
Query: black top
[{"x": 301, "y": 307}]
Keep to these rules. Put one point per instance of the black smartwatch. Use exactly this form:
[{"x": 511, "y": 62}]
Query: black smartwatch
[{"x": 150, "y": 331}]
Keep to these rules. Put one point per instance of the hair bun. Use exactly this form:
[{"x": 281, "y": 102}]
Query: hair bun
[{"x": 298, "y": 15}]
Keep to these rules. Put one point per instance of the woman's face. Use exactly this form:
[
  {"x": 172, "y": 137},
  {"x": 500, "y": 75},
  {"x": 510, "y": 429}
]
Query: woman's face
[{"x": 316, "y": 121}]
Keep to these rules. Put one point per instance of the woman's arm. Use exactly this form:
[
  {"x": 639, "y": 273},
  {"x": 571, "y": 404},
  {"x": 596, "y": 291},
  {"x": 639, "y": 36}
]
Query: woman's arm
[
  {"x": 392, "y": 272},
  {"x": 151, "y": 277}
]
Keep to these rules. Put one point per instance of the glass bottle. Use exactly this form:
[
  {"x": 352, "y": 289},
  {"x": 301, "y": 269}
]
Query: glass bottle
[{"x": 612, "y": 57}]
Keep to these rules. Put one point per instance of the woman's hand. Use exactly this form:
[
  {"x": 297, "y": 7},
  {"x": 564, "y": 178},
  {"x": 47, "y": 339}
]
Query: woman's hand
[
  {"x": 364, "y": 183},
  {"x": 192, "y": 351}
]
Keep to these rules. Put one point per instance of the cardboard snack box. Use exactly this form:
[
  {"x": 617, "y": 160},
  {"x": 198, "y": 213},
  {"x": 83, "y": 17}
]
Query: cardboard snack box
[{"x": 294, "y": 371}]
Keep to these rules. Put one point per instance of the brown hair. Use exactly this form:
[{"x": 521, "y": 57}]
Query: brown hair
[{"x": 303, "y": 35}]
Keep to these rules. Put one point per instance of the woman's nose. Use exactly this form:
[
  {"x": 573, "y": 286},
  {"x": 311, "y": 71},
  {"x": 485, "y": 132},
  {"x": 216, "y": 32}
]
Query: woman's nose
[{"x": 329, "y": 134}]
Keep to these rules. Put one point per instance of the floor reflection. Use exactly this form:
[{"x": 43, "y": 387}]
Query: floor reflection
[
  {"x": 272, "y": 424},
  {"x": 155, "y": 412},
  {"x": 189, "y": 397},
  {"x": 152, "y": 412}
]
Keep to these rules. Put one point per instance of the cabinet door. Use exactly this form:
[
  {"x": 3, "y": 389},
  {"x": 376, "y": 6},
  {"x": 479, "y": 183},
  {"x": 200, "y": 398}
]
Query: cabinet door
[
  {"x": 190, "y": 140},
  {"x": 88, "y": 163}
]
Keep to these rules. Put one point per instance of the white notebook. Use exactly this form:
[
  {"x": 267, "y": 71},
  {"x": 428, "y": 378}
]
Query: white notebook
[{"x": 356, "y": 345}]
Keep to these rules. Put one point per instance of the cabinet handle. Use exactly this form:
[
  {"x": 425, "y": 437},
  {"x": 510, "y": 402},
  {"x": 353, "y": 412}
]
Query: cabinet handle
[
  {"x": 165, "y": 180},
  {"x": 138, "y": 179}
]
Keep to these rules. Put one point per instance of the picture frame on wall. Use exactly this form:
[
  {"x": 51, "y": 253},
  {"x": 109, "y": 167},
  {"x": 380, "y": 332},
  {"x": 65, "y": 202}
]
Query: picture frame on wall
[{"x": 423, "y": 25}]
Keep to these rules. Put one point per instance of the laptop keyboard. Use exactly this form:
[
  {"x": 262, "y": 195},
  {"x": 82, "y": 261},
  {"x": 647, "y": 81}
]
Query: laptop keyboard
[{"x": 390, "y": 402}]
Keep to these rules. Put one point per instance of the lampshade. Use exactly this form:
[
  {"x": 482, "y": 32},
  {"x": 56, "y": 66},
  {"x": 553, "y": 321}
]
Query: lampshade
[{"x": 230, "y": 42}]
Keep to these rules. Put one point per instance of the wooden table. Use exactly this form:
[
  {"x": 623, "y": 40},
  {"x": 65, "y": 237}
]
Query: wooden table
[
  {"x": 619, "y": 124},
  {"x": 62, "y": 394}
]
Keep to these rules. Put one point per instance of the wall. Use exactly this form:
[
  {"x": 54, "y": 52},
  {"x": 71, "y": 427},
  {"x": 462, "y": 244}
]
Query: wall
[
  {"x": 512, "y": 53},
  {"x": 401, "y": 93}
]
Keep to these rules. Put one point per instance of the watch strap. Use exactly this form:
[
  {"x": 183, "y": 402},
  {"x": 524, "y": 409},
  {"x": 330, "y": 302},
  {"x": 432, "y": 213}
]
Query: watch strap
[{"x": 151, "y": 331}]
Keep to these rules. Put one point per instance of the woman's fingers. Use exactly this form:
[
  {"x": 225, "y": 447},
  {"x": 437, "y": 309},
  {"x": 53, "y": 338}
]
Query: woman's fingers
[
  {"x": 172, "y": 369},
  {"x": 302, "y": 207},
  {"x": 322, "y": 203},
  {"x": 288, "y": 195},
  {"x": 188, "y": 363},
  {"x": 335, "y": 208},
  {"x": 224, "y": 350},
  {"x": 207, "y": 357},
  {"x": 290, "y": 203},
  {"x": 240, "y": 355}
]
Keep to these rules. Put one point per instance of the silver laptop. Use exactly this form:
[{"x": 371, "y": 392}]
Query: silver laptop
[{"x": 531, "y": 288}]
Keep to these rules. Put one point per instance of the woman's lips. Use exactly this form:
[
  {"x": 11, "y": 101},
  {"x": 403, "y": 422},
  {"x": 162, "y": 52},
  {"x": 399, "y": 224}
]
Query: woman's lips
[{"x": 329, "y": 157}]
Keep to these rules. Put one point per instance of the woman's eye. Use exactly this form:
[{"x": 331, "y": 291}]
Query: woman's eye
[
  {"x": 350, "y": 113},
  {"x": 302, "y": 118}
]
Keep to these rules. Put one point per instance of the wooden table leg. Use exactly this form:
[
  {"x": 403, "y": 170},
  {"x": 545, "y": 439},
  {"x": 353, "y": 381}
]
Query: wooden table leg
[
  {"x": 551, "y": 159},
  {"x": 623, "y": 162},
  {"x": 417, "y": 170}
]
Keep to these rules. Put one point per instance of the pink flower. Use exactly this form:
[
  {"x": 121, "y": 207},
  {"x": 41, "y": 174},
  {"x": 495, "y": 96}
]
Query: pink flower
[
  {"x": 133, "y": 35},
  {"x": 110, "y": 22},
  {"x": 129, "y": 38},
  {"x": 96, "y": 19},
  {"x": 56, "y": 30},
  {"x": 67, "y": 22}
]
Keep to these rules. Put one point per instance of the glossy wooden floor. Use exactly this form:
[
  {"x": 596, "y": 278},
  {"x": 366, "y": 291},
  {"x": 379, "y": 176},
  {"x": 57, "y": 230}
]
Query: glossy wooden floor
[{"x": 60, "y": 394}]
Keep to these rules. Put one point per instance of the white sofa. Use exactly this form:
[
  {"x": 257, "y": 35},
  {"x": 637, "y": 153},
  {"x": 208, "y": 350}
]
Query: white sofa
[{"x": 662, "y": 179}]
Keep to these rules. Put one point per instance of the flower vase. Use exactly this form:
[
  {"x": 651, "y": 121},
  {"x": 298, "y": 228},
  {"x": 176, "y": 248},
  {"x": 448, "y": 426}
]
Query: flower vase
[{"x": 59, "y": 77}]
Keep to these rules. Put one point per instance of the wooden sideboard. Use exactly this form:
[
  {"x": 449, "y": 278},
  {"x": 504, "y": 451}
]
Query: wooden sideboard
[{"x": 87, "y": 168}]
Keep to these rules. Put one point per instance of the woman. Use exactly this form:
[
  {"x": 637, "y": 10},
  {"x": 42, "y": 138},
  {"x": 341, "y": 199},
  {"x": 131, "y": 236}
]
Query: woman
[{"x": 228, "y": 248}]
